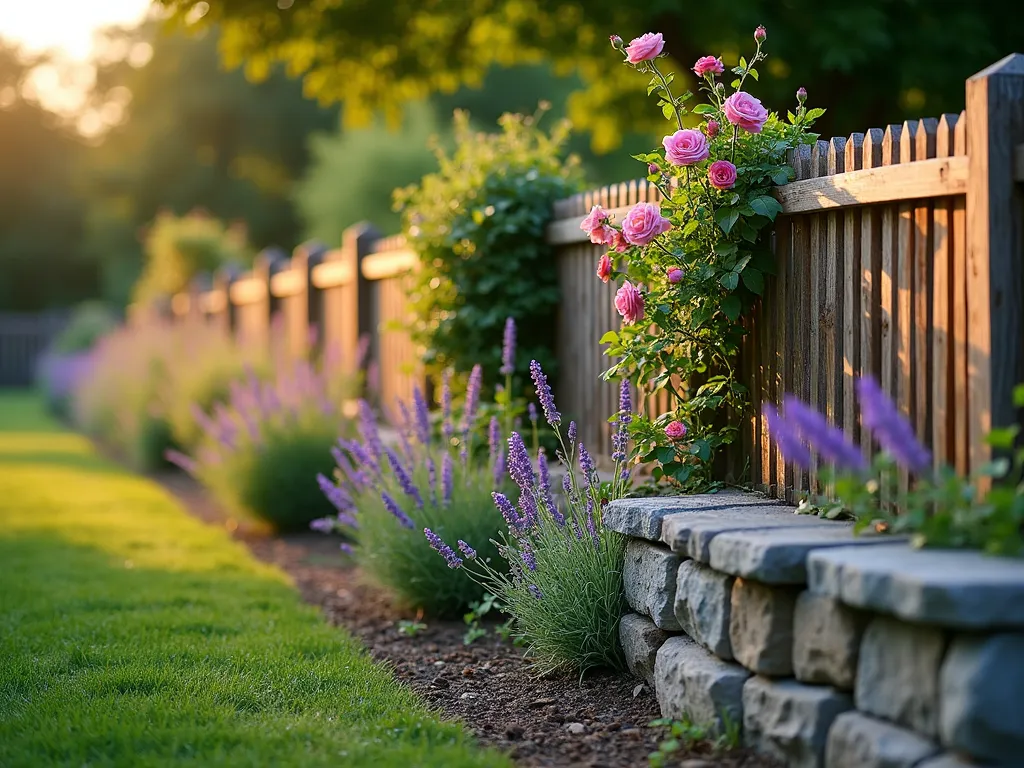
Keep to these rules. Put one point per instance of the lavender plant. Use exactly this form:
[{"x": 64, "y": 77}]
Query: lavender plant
[
  {"x": 938, "y": 508},
  {"x": 562, "y": 575},
  {"x": 263, "y": 447},
  {"x": 385, "y": 495}
]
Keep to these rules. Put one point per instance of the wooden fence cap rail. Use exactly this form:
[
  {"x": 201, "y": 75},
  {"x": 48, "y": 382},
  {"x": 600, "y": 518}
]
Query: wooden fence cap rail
[{"x": 379, "y": 266}]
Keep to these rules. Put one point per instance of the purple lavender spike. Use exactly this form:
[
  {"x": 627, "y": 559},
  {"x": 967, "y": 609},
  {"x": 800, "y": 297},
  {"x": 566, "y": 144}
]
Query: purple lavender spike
[
  {"x": 572, "y": 432},
  {"x": 519, "y": 465},
  {"x": 828, "y": 441},
  {"x": 544, "y": 396},
  {"x": 591, "y": 525},
  {"x": 535, "y": 591},
  {"x": 472, "y": 400},
  {"x": 322, "y": 524},
  {"x": 508, "y": 349},
  {"x": 786, "y": 438},
  {"x": 467, "y": 550},
  {"x": 368, "y": 430},
  {"x": 508, "y": 511},
  {"x": 404, "y": 480},
  {"x": 498, "y": 469},
  {"x": 447, "y": 479},
  {"x": 432, "y": 478},
  {"x": 447, "y": 430},
  {"x": 893, "y": 432},
  {"x": 422, "y": 417},
  {"x": 531, "y": 412},
  {"x": 526, "y": 554},
  {"x": 179, "y": 459},
  {"x": 545, "y": 488},
  {"x": 335, "y": 494},
  {"x": 392, "y": 506},
  {"x": 437, "y": 544},
  {"x": 346, "y": 548}
]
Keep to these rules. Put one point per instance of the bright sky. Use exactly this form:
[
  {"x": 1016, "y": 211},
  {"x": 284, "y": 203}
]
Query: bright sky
[{"x": 66, "y": 28}]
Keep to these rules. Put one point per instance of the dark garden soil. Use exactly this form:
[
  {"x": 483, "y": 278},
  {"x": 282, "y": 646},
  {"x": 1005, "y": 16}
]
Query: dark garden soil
[{"x": 601, "y": 720}]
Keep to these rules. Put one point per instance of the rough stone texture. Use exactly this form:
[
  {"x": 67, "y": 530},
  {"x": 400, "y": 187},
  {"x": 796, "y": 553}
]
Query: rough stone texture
[
  {"x": 898, "y": 673},
  {"x": 640, "y": 640},
  {"x": 981, "y": 694},
  {"x": 641, "y": 518},
  {"x": 790, "y": 720},
  {"x": 761, "y": 627},
  {"x": 691, "y": 533},
  {"x": 947, "y": 760},
  {"x": 703, "y": 604},
  {"x": 649, "y": 578},
  {"x": 779, "y": 556},
  {"x": 956, "y": 589},
  {"x": 826, "y": 641},
  {"x": 858, "y": 741},
  {"x": 693, "y": 683}
]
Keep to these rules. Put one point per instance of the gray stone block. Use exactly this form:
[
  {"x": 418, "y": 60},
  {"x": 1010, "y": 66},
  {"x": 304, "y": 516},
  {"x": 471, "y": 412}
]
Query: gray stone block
[
  {"x": 641, "y": 518},
  {"x": 692, "y": 533},
  {"x": 703, "y": 605},
  {"x": 858, "y": 741},
  {"x": 779, "y": 555},
  {"x": 649, "y": 579},
  {"x": 956, "y": 589},
  {"x": 898, "y": 673},
  {"x": 692, "y": 683},
  {"x": 826, "y": 641},
  {"x": 640, "y": 640},
  {"x": 790, "y": 720},
  {"x": 949, "y": 760},
  {"x": 981, "y": 695},
  {"x": 761, "y": 627}
]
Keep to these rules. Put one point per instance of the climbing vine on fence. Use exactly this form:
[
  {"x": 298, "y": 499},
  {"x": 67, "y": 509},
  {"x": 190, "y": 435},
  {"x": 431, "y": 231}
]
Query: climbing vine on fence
[{"x": 691, "y": 265}]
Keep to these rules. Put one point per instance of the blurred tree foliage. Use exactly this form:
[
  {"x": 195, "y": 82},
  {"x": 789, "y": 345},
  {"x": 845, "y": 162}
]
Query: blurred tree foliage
[
  {"x": 869, "y": 62},
  {"x": 41, "y": 216}
]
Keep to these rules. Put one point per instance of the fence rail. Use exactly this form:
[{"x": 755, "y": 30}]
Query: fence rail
[{"x": 900, "y": 255}]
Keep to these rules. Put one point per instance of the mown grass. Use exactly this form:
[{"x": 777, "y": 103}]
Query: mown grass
[{"x": 131, "y": 634}]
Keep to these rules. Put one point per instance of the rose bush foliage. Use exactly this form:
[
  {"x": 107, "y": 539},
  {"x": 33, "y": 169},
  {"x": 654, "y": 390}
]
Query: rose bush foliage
[{"x": 692, "y": 264}]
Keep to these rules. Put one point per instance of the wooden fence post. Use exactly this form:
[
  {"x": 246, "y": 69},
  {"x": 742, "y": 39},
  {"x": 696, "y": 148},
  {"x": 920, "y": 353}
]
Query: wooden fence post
[
  {"x": 357, "y": 243},
  {"x": 995, "y": 249}
]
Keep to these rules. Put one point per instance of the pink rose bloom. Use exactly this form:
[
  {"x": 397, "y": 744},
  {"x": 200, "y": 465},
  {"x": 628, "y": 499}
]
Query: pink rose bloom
[
  {"x": 675, "y": 274},
  {"x": 744, "y": 110},
  {"x": 760, "y": 34},
  {"x": 604, "y": 268},
  {"x": 645, "y": 47},
  {"x": 686, "y": 147},
  {"x": 643, "y": 223},
  {"x": 706, "y": 64},
  {"x": 713, "y": 127},
  {"x": 675, "y": 431},
  {"x": 630, "y": 302},
  {"x": 596, "y": 225},
  {"x": 619, "y": 242},
  {"x": 722, "y": 174}
]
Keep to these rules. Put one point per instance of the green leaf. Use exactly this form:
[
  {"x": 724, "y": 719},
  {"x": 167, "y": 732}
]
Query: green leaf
[
  {"x": 1018, "y": 396},
  {"x": 766, "y": 206},
  {"x": 668, "y": 110},
  {"x": 782, "y": 176},
  {"x": 743, "y": 62},
  {"x": 730, "y": 280},
  {"x": 731, "y": 307},
  {"x": 609, "y": 338},
  {"x": 653, "y": 87},
  {"x": 754, "y": 280},
  {"x": 753, "y": 74},
  {"x": 665, "y": 454},
  {"x": 736, "y": 82},
  {"x": 727, "y": 218},
  {"x": 1002, "y": 438},
  {"x": 704, "y": 109},
  {"x": 691, "y": 227},
  {"x": 814, "y": 114}
]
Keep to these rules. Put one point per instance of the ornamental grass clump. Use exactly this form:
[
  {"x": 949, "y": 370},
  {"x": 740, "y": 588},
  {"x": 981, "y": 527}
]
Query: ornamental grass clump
[
  {"x": 562, "y": 575},
  {"x": 690, "y": 265},
  {"x": 261, "y": 450},
  {"x": 386, "y": 495},
  {"x": 899, "y": 490}
]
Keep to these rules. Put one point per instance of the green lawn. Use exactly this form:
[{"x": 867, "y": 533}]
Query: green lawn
[{"x": 131, "y": 634}]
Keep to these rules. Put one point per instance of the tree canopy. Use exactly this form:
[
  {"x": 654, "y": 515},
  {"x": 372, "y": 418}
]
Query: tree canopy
[{"x": 869, "y": 62}]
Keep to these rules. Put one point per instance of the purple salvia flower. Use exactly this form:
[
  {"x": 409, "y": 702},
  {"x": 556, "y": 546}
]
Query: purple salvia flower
[
  {"x": 544, "y": 396},
  {"x": 437, "y": 544},
  {"x": 404, "y": 480},
  {"x": 786, "y": 437},
  {"x": 476, "y": 377},
  {"x": 422, "y": 416},
  {"x": 828, "y": 441},
  {"x": 508, "y": 511},
  {"x": 572, "y": 432},
  {"x": 467, "y": 550},
  {"x": 531, "y": 412},
  {"x": 508, "y": 349},
  {"x": 392, "y": 506},
  {"x": 447, "y": 480},
  {"x": 890, "y": 429},
  {"x": 432, "y": 477},
  {"x": 526, "y": 554},
  {"x": 446, "y": 407},
  {"x": 519, "y": 465},
  {"x": 335, "y": 494},
  {"x": 535, "y": 591}
]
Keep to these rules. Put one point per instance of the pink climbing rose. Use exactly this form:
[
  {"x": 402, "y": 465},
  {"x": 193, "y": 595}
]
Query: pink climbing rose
[
  {"x": 630, "y": 302},
  {"x": 722, "y": 174},
  {"x": 747, "y": 112},
  {"x": 604, "y": 268},
  {"x": 713, "y": 127},
  {"x": 686, "y": 147},
  {"x": 619, "y": 242},
  {"x": 708, "y": 64},
  {"x": 645, "y": 47},
  {"x": 596, "y": 225},
  {"x": 643, "y": 223},
  {"x": 675, "y": 431},
  {"x": 675, "y": 274}
]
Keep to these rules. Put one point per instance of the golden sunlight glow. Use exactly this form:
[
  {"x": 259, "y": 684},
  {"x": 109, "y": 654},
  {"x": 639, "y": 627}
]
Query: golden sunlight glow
[{"x": 65, "y": 26}]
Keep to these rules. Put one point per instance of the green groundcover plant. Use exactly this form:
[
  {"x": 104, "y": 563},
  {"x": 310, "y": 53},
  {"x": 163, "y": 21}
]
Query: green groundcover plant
[
  {"x": 478, "y": 226},
  {"x": 561, "y": 575},
  {"x": 691, "y": 265},
  {"x": 262, "y": 448},
  {"x": 937, "y": 508}
]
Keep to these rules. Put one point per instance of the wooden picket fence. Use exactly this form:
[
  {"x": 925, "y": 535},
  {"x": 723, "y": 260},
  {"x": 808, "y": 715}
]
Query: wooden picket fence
[
  {"x": 24, "y": 338},
  {"x": 900, "y": 255}
]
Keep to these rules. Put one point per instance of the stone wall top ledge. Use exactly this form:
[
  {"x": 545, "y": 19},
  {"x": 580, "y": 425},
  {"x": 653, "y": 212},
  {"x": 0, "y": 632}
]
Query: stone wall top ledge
[
  {"x": 641, "y": 518},
  {"x": 692, "y": 533},
  {"x": 948, "y": 588}
]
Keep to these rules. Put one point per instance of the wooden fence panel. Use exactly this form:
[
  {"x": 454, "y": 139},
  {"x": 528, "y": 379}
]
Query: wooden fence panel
[{"x": 24, "y": 338}]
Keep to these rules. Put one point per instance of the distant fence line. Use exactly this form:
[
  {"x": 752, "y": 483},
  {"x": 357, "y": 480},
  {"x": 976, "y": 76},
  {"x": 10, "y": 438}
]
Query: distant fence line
[
  {"x": 24, "y": 338},
  {"x": 900, "y": 255}
]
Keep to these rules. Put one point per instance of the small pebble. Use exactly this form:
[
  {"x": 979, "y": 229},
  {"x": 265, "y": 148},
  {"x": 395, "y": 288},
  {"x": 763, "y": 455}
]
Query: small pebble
[
  {"x": 576, "y": 728},
  {"x": 468, "y": 695},
  {"x": 541, "y": 702},
  {"x": 514, "y": 732}
]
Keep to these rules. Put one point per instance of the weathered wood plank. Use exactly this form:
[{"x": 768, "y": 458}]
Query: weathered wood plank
[
  {"x": 923, "y": 250},
  {"x": 960, "y": 340},
  {"x": 870, "y": 268},
  {"x": 331, "y": 273},
  {"x": 942, "y": 283},
  {"x": 834, "y": 293},
  {"x": 851, "y": 294},
  {"x": 817, "y": 371},
  {"x": 379, "y": 266},
  {"x": 905, "y": 399}
]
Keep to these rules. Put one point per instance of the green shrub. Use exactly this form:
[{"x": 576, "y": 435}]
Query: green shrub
[
  {"x": 478, "y": 226},
  {"x": 261, "y": 450},
  {"x": 89, "y": 322}
]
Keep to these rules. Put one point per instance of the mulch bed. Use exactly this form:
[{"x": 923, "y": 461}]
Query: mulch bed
[{"x": 599, "y": 721}]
